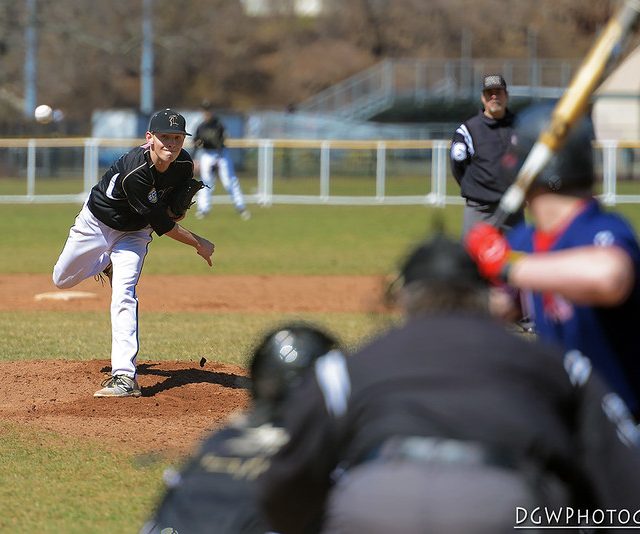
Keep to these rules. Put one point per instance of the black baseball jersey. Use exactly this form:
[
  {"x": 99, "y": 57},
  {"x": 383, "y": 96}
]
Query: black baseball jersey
[
  {"x": 210, "y": 134},
  {"x": 132, "y": 194},
  {"x": 216, "y": 490},
  {"x": 476, "y": 151},
  {"x": 460, "y": 377}
]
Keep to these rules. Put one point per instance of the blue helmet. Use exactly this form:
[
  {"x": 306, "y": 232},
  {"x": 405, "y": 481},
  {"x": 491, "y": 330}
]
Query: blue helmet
[{"x": 570, "y": 169}]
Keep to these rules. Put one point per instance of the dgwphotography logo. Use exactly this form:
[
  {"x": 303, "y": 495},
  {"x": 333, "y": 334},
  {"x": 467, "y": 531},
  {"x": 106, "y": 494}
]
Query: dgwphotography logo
[{"x": 581, "y": 520}]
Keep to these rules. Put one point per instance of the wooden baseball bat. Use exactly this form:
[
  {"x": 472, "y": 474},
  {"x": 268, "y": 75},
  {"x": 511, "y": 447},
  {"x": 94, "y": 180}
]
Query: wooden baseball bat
[{"x": 570, "y": 107}]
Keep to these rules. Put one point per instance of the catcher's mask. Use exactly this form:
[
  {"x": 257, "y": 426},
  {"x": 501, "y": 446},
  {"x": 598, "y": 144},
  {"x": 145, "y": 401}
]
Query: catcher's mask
[
  {"x": 282, "y": 357},
  {"x": 570, "y": 169}
]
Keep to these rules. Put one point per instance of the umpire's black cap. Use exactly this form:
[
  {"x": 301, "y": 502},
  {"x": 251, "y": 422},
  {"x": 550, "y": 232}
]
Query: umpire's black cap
[
  {"x": 493, "y": 81},
  {"x": 168, "y": 121}
]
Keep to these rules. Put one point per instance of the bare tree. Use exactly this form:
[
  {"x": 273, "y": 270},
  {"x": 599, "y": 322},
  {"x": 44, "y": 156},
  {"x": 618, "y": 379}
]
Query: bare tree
[{"x": 89, "y": 52}]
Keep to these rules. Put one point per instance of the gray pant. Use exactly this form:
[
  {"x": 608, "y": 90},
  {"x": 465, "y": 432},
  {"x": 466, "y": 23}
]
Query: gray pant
[
  {"x": 475, "y": 212},
  {"x": 405, "y": 497}
]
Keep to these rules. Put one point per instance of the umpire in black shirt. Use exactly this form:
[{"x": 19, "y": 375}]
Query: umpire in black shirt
[
  {"x": 477, "y": 148},
  {"x": 449, "y": 423}
]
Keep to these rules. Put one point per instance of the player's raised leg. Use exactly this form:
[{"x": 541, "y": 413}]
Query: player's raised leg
[{"x": 85, "y": 253}]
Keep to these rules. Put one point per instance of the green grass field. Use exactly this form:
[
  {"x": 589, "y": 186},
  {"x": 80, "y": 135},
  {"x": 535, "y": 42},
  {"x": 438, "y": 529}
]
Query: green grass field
[
  {"x": 280, "y": 239},
  {"x": 54, "y": 483},
  {"x": 49, "y": 483}
]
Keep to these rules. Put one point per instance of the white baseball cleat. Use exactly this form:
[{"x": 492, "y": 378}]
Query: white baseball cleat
[{"x": 119, "y": 386}]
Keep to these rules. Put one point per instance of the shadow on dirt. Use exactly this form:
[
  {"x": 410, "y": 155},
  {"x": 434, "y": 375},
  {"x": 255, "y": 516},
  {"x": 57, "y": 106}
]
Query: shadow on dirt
[{"x": 180, "y": 377}]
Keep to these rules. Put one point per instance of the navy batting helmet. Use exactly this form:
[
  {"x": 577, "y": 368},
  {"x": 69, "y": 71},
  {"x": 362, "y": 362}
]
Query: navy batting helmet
[
  {"x": 282, "y": 357},
  {"x": 570, "y": 169}
]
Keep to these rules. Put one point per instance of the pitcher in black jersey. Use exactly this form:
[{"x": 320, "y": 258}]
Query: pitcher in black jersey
[{"x": 112, "y": 232}]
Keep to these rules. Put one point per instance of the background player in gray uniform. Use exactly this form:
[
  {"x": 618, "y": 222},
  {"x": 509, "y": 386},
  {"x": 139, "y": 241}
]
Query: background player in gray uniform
[
  {"x": 213, "y": 157},
  {"x": 112, "y": 232}
]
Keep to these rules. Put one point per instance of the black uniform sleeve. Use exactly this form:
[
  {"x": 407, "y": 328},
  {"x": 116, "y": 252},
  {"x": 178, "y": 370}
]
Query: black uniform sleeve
[
  {"x": 460, "y": 153},
  {"x": 197, "y": 138},
  {"x": 294, "y": 489},
  {"x": 222, "y": 135},
  {"x": 142, "y": 198},
  {"x": 608, "y": 442}
]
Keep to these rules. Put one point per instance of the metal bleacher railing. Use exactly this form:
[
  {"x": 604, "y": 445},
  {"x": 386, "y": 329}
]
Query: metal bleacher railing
[
  {"x": 378, "y": 88},
  {"x": 272, "y": 171}
]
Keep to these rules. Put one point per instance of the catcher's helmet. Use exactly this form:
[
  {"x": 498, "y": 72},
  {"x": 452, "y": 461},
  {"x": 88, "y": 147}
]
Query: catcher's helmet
[
  {"x": 570, "y": 169},
  {"x": 283, "y": 355},
  {"x": 441, "y": 261}
]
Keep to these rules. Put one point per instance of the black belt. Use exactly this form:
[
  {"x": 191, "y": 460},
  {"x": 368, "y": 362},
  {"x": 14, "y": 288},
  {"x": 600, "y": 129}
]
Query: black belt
[
  {"x": 471, "y": 201},
  {"x": 442, "y": 451}
]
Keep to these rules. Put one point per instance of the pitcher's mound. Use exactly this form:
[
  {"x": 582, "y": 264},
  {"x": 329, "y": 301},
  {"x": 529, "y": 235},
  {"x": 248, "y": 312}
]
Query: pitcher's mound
[{"x": 180, "y": 403}]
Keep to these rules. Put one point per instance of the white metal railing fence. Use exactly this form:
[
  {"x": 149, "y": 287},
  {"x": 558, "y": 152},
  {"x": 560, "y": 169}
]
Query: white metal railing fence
[{"x": 276, "y": 171}]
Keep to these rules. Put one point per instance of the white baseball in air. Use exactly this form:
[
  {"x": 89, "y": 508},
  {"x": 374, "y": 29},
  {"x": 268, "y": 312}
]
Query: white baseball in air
[{"x": 43, "y": 114}]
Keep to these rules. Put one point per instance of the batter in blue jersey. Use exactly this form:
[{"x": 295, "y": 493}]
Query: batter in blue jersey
[
  {"x": 606, "y": 334},
  {"x": 577, "y": 266}
]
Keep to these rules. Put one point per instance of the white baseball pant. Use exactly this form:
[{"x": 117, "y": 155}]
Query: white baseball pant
[
  {"x": 90, "y": 247},
  {"x": 209, "y": 161}
]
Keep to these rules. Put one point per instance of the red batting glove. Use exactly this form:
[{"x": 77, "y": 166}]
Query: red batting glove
[{"x": 489, "y": 249}]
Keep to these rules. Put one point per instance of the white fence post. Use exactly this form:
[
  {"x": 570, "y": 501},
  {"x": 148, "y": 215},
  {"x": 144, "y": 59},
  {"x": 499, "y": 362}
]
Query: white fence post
[
  {"x": 265, "y": 172},
  {"x": 91, "y": 164},
  {"x": 381, "y": 169},
  {"x": 439, "y": 172},
  {"x": 325, "y": 170},
  {"x": 31, "y": 168},
  {"x": 609, "y": 171}
]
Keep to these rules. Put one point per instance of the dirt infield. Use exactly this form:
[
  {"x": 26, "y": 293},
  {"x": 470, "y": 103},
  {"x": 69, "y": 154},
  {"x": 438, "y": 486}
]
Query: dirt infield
[
  {"x": 206, "y": 293},
  {"x": 180, "y": 401}
]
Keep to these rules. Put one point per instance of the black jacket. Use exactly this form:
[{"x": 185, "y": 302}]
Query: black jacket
[
  {"x": 458, "y": 377},
  {"x": 132, "y": 194},
  {"x": 210, "y": 135},
  {"x": 476, "y": 150},
  {"x": 216, "y": 490}
]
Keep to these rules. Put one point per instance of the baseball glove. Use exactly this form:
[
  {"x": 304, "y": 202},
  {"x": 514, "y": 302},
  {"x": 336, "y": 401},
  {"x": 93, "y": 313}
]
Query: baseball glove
[{"x": 183, "y": 199}]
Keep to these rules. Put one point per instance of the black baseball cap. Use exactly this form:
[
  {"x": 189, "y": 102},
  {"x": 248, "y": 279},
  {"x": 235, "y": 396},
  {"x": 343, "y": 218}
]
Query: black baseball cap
[
  {"x": 441, "y": 260},
  {"x": 493, "y": 81},
  {"x": 168, "y": 121}
]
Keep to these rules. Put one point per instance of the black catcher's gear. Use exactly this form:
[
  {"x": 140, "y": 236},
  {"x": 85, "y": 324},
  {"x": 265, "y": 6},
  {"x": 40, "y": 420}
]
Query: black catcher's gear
[
  {"x": 441, "y": 261},
  {"x": 283, "y": 355}
]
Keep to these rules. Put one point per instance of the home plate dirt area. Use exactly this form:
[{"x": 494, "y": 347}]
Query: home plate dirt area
[{"x": 181, "y": 401}]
